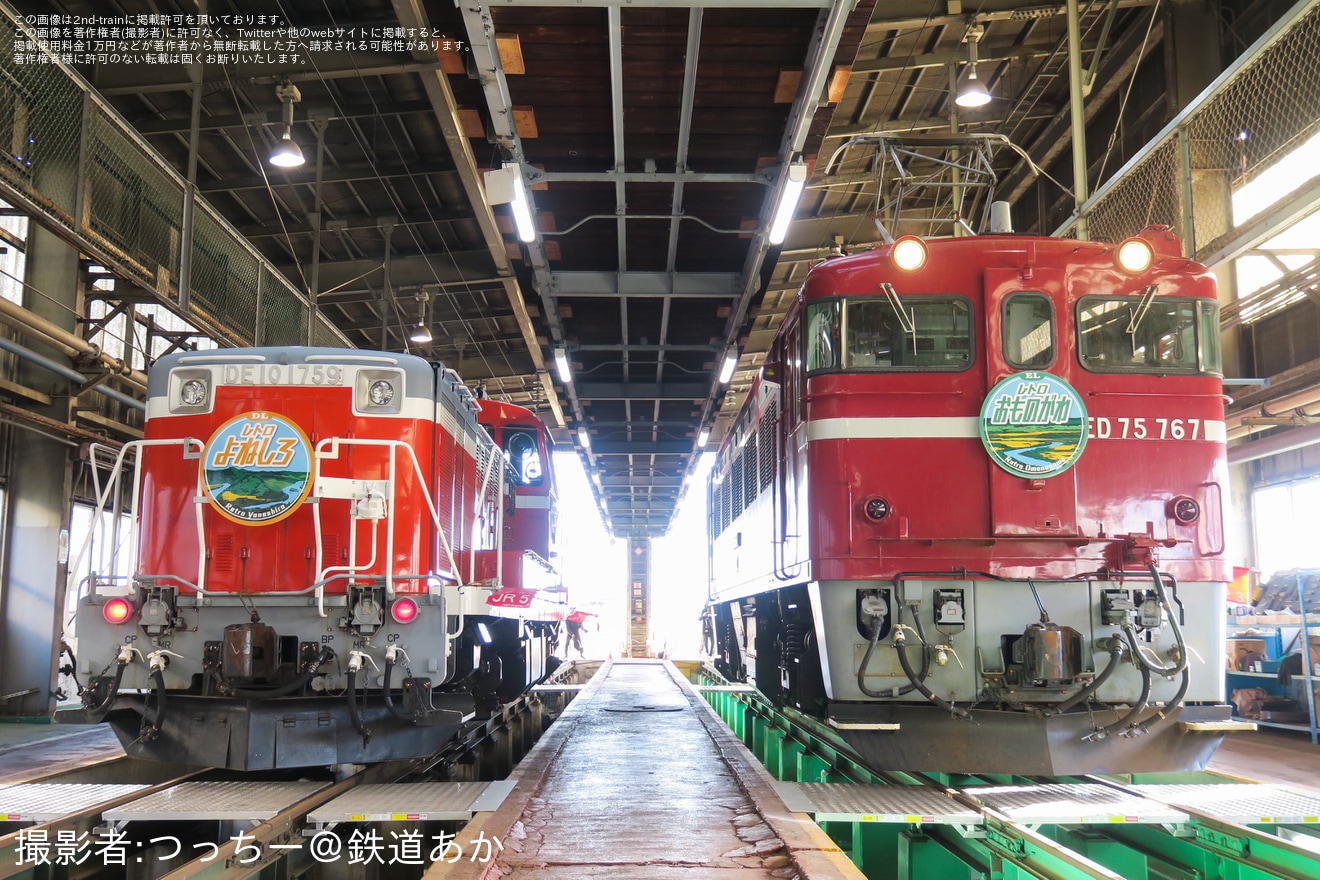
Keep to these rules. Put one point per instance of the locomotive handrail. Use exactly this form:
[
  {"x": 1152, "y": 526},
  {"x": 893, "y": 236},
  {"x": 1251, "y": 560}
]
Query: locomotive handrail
[
  {"x": 1181, "y": 396},
  {"x": 103, "y": 497},
  {"x": 353, "y": 567},
  {"x": 303, "y": 592},
  {"x": 328, "y": 448}
]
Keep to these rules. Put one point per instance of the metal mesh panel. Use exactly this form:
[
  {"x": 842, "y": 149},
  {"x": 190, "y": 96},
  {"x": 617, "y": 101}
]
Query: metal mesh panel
[
  {"x": 1266, "y": 106},
  {"x": 325, "y": 333},
  {"x": 41, "y": 112},
  {"x": 283, "y": 312},
  {"x": 727, "y": 491},
  {"x": 1148, "y": 193},
  {"x": 59, "y": 143},
  {"x": 736, "y": 489},
  {"x": 133, "y": 207},
  {"x": 224, "y": 276},
  {"x": 1263, "y": 113}
]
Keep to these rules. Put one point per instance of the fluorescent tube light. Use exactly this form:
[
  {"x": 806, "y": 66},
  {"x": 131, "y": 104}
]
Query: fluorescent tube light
[{"x": 794, "y": 182}]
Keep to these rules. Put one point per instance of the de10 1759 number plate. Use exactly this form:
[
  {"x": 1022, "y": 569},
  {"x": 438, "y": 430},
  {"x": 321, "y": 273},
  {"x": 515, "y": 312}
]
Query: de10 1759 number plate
[{"x": 281, "y": 374}]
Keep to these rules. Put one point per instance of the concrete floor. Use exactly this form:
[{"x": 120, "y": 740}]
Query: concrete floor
[
  {"x": 31, "y": 751},
  {"x": 640, "y": 780},
  {"x": 1268, "y": 755}
]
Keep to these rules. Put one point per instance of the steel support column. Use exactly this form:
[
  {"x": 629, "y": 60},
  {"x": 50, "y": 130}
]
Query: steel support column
[
  {"x": 38, "y": 491},
  {"x": 1076, "y": 97},
  {"x": 639, "y": 596}
]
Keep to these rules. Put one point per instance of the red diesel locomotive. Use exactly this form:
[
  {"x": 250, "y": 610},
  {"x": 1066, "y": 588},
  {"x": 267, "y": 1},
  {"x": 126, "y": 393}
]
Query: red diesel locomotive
[
  {"x": 970, "y": 515},
  {"x": 321, "y": 537}
]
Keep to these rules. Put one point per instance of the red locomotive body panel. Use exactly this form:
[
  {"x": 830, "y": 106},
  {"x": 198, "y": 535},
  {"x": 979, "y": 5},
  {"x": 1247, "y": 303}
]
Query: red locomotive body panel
[
  {"x": 889, "y": 434},
  {"x": 1015, "y": 427},
  {"x": 529, "y": 448},
  {"x": 280, "y": 556}
]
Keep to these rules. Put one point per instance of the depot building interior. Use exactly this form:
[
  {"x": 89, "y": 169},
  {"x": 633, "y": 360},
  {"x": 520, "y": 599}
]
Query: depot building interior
[{"x": 573, "y": 205}]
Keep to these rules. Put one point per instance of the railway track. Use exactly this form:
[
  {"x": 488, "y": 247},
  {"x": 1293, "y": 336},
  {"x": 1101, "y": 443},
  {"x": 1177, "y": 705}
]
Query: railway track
[
  {"x": 1187, "y": 826},
  {"x": 103, "y": 820},
  {"x": 892, "y": 824}
]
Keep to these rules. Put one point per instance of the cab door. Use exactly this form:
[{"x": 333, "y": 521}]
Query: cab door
[{"x": 1026, "y": 321}]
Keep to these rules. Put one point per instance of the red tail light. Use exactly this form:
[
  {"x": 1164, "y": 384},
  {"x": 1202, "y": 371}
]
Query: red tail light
[
  {"x": 117, "y": 610},
  {"x": 404, "y": 610}
]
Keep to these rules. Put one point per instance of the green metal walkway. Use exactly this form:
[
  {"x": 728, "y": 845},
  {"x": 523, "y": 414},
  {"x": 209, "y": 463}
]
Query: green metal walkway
[{"x": 901, "y": 826}]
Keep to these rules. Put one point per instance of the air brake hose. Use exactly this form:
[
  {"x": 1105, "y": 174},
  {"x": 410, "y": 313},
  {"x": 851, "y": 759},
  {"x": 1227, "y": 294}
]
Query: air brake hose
[
  {"x": 866, "y": 662},
  {"x": 1168, "y": 707},
  {"x": 395, "y": 710},
  {"x": 151, "y": 730},
  {"x": 900, "y": 644},
  {"x": 1121, "y": 725},
  {"x": 1183, "y": 656},
  {"x": 96, "y": 714},
  {"x": 1115, "y": 655},
  {"x": 353, "y": 715}
]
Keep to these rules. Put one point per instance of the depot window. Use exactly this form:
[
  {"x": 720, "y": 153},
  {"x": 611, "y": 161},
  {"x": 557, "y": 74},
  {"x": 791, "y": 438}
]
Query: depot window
[
  {"x": 890, "y": 334},
  {"x": 1155, "y": 335},
  {"x": 1029, "y": 331}
]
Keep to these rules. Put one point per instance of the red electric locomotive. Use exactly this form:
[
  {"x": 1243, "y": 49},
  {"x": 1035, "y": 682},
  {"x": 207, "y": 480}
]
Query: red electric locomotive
[
  {"x": 970, "y": 515},
  {"x": 318, "y": 531}
]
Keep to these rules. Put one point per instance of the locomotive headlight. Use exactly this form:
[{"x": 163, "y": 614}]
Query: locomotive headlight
[
  {"x": 379, "y": 391},
  {"x": 1184, "y": 510},
  {"x": 908, "y": 253},
  {"x": 192, "y": 392},
  {"x": 876, "y": 508},
  {"x": 404, "y": 610},
  {"x": 117, "y": 610},
  {"x": 1135, "y": 255}
]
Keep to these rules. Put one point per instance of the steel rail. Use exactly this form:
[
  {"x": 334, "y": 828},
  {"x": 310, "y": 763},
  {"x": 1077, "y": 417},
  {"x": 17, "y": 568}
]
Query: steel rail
[
  {"x": 287, "y": 825},
  {"x": 1214, "y": 838},
  {"x": 82, "y": 821}
]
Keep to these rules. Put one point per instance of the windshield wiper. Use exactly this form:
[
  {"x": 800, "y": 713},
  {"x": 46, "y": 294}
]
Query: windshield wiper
[{"x": 1139, "y": 314}]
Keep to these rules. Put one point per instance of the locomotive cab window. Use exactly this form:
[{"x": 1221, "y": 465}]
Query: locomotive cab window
[
  {"x": 1029, "y": 330},
  {"x": 892, "y": 334},
  {"x": 823, "y": 335},
  {"x": 524, "y": 452},
  {"x": 1142, "y": 334}
]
